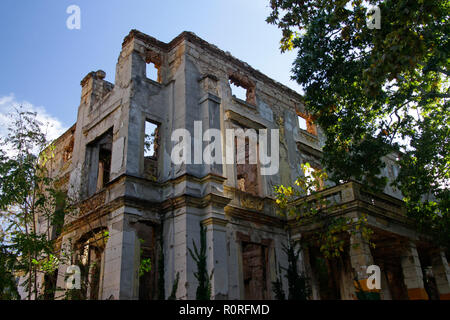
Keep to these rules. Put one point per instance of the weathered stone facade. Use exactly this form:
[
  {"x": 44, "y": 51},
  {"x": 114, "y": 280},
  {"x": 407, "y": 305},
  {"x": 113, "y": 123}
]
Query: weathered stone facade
[{"x": 138, "y": 199}]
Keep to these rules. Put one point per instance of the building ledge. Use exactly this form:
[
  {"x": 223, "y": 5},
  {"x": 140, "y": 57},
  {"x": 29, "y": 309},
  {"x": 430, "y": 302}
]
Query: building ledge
[{"x": 354, "y": 196}]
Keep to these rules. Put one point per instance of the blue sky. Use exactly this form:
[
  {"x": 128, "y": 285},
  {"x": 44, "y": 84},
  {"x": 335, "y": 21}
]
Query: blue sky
[{"x": 42, "y": 62}]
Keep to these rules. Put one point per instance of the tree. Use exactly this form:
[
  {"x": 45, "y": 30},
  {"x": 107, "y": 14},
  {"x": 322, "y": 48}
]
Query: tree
[
  {"x": 298, "y": 285},
  {"x": 26, "y": 193},
  {"x": 376, "y": 91},
  {"x": 32, "y": 211}
]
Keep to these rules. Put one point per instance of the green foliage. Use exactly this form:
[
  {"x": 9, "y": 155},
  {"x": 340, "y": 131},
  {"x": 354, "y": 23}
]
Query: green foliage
[
  {"x": 32, "y": 214},
  {"x": 173, "y": 293},
  {"x": 30, "y": 205},
  {"x": 377, "y": 91},
  {"x": 8, "y": 286},
  {"x": 145, "y": 265},
  {"x": 204, "y": 286},
  {"x": 299, "y": 288},
  {"x": 424, "y": 178},
  {"x": 48, "y": 265}
]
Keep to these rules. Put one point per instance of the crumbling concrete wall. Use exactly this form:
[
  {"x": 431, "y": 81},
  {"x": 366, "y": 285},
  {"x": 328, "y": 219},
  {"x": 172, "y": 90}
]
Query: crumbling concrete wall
[{"x": 193, "y": 84}]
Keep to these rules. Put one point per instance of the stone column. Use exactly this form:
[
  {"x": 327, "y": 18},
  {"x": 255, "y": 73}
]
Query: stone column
[
  {"x": 217, "y": 253},
  {"x": 121, "y": 272},
  {"x": 186, "y": 229},
  {"x": 209, "y": 106},
  {"x": 360, "y": 259},
  {"x": 412, "y": 273},
  {"x": 441, "y": 272}
]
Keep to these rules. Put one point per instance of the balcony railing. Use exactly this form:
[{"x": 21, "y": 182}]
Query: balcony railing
[{"x": 353, "y": 195}]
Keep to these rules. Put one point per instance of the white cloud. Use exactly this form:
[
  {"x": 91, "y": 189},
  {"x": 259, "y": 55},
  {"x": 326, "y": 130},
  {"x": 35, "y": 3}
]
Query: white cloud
[{"x": 51, "y": 125}]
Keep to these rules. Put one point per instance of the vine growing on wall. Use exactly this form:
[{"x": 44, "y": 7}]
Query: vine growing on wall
[{"x": 204, "y": 284}]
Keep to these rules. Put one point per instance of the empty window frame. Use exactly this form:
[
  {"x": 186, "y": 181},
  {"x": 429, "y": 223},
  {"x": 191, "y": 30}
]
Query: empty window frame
[
  {"x": 247, "y": 173},
  {"x": 301, "y": 123},
  {"x": 151, "y": 147},
  {"x": 153, "y": 61},
  {"x": 151, "y": 139},
  {"x": 306, "y": 122},
  {"x": 104, "y": 164},
  {"x": 242, "y": 88},
  {"x": 152, "y": 72},
  {"x": 238, "y": 91},
  {"x": 98, "y": 160}
]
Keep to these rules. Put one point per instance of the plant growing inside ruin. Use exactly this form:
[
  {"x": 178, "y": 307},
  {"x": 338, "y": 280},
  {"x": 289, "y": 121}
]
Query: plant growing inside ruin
[
  {"x": 298, "y": 285},
  {"x": 313, "y": 209},
  {"x": 145, "y": 265},
  {"x": 204, "y": 285}
]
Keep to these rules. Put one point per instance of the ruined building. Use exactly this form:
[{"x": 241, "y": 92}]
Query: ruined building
[{"x": 116, "y": 161}]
